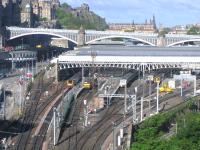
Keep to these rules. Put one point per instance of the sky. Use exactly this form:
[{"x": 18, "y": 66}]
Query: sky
[{"x": 168, "y": 13}]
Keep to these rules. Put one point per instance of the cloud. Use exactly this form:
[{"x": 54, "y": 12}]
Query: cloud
[{"x": 167, "y": 12}]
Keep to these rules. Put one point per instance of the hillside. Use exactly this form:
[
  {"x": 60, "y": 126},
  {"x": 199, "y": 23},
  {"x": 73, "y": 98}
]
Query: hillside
[
  {"x": 177, "y": 129},
  {"x": 73, "y": 18}
]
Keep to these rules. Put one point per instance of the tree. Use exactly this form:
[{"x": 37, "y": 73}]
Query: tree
[
  {"x": 164, "y": 31},
  {"x": 194, "y": 31},
  {"x": 65, "y": 5},
  {"x": 74, "y": 19}
]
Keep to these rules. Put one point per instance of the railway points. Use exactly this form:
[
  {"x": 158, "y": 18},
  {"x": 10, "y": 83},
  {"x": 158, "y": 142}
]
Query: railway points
[{"x": 77, "y": 121}]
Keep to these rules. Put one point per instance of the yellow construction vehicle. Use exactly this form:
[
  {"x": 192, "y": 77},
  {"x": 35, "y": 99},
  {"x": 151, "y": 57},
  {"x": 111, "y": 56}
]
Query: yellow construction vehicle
[
  {"x": 166, "y": 88},
  {"x": 87, "y": 85},
  {"x": 38, "y": 46}
]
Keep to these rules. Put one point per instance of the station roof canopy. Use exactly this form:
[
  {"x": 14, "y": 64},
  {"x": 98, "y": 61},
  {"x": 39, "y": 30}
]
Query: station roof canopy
[{"x": 129, "y": 54}]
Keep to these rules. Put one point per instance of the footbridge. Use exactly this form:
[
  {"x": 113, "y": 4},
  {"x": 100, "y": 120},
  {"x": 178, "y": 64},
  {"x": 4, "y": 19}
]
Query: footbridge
[
  {"x": 82, "y": 37},
  {"x": 137, "y": 58}
]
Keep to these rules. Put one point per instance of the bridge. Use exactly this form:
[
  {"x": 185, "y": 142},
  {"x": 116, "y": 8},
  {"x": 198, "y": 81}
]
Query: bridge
[
  {"x": 137, "y": 58},
  {"x": 82, "y": 37}
]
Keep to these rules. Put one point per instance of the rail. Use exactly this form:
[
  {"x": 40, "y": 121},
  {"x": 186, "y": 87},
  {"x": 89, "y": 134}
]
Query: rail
[{"x": 62, "y": 110}]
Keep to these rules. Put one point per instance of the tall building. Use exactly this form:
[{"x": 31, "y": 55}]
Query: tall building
[
  {"x": 45, "y": 8},
  {"x": 27, "y": 15},
  {"x": 147, "y": 27},
  {"x": 42, "y": 10}
]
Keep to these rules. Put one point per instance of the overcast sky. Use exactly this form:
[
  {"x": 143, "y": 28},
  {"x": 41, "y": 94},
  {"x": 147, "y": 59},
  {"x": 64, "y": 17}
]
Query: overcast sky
[{"x": 167, "y": 12}]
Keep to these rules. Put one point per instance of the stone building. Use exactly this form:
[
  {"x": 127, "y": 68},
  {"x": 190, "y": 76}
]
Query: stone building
[
  {"x": 27, "y": 15},
  {"x": 147, "y": 27},
  {"x": 45, "y": 9},
  {"x": 42, "y": 10}
]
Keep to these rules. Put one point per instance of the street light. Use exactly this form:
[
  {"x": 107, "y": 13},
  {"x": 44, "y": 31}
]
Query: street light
[
  {"x": 157, "y": 80},
  {"x": 113, "y": 135}
]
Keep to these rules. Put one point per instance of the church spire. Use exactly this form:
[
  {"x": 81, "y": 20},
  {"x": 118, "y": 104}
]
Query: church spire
[{"x": 154, "y": 21}]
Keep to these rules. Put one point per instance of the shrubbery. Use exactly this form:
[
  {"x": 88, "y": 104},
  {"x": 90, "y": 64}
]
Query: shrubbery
[{"x": 150, "y": 132}]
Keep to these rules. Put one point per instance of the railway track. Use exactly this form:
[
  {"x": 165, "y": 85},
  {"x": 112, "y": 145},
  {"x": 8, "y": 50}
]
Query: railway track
[
  {"x": 38, "y": 139},
  {"x": 92, "y": 138},
  {"x": 70, "y": 131},
  {"x": 27, "y": 123},
  {"x": 107, "y": 131},
  {"x": 88, "y": 139},
  {"x": 33, "y": 114},
  {"x": 45, "y": 111},
  {"x": 97, "y": 135}
]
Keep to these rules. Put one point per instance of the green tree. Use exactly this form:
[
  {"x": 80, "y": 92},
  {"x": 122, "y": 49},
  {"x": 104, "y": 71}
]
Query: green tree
[
  {"x": 164, "y": 31},
  {"x": 149, "y": 136},
  {"x": 194, "y": 30},
  {"x": 88, "y": 20}
]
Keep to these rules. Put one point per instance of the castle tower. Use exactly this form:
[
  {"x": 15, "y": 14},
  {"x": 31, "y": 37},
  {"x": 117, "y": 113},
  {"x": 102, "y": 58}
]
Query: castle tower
[{"x": 81, "y": 36}]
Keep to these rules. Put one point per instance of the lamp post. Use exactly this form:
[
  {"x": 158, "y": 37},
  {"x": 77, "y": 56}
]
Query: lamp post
[
  {"x": 107, "y": 98},
  {"x": 82, "y": 75},
  {"x": 157, "y": 80},
  {"x": 141, "y": 115},
  {"x": 113, "y": 135},
  {"x": 54, "y": 125}
]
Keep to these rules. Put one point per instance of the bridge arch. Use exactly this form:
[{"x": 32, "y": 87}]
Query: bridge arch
[
  {"x": 183, "y": 41},
  {"x": 42, "y": 33},
  {"x": 120, "y": 36}
]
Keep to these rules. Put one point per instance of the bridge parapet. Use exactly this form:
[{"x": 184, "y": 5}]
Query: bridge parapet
[
  {"x": 15, "y": 32},
  {"x": 91, "y": 36},
  {"x": 173, "y": 39},
  {"x": 72, "y": 35}
]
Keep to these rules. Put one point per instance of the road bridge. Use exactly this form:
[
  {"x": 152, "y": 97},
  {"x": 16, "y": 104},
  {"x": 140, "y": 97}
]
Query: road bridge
[
  {"x": 82, "y": 37},
  {"x": 138, "y": 58}
]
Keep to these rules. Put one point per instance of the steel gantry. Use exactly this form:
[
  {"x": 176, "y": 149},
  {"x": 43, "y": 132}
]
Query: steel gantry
[
  {"x": 136, "y": 66},
  {"x": 133, "y": 103}
]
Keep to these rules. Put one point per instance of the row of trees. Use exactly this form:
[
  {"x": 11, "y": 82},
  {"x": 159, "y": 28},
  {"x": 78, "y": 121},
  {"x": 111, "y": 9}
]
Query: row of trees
[{"x": 150, "y": 134}]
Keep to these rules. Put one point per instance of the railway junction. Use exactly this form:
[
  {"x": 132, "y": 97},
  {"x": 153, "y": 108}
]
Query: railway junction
[
  {"x": 144, "y": 60},
  {"x": 102, "y": 115}
]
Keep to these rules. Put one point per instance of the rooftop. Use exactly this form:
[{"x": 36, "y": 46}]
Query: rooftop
[{"x": 120, "y": 50}]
